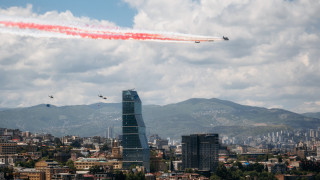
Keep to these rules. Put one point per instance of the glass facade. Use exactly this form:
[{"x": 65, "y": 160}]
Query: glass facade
[
  {"x": 134, "y": 141},
  {"x": 200, "y": 151}
]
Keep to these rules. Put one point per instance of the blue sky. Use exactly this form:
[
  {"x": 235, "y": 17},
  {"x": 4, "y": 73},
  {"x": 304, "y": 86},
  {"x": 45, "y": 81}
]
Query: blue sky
[{"x": 112, "y": 10}]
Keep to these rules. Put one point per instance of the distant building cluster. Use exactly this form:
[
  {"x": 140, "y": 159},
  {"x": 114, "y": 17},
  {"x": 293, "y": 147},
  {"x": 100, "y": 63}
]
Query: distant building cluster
[{"x": 304, "y": 142}]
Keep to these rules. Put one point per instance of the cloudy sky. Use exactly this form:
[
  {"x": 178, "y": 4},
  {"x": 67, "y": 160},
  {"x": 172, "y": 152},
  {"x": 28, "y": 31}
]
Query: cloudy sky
[{"x": 272, "y": 59}]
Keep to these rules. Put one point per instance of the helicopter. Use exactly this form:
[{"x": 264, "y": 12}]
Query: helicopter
[{"x": 101, "y": 96}]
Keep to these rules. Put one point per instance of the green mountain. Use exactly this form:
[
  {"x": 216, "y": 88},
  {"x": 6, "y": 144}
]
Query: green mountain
[
  {"x": 312, "y": 115},
  {"x": 83, "y": 120},
  {"x": 224, "y": 117},
  {"x": 173, "y": 120}
]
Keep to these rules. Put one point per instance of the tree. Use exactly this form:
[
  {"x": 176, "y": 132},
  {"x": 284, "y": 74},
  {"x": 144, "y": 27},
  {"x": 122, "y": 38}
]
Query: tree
[
  {"x": 104, "y": 147},
  {"x": 8, "y": 172},
  {"x": 317, "y": 177},
  {"x": 279, "y": 158},
  {"x": 188, "y": 170},
  {"x": 135, "y": 176},
  {"x": 119, "y": 175},
  {"x": 28, "y": 164},
  {"x": 71, "y": 166},
  {"x": 57, "y": 142},
  {"x": 215, "y": 177},
  {"x": 96, "y": 169},
  {"x": 258, "y": 167},
  {"x": 222, "y": 171},
  {"x": 75, "y": 144}
]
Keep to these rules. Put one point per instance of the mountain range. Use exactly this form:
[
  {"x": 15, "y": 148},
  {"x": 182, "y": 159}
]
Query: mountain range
[{"x": 191, "y": 116}]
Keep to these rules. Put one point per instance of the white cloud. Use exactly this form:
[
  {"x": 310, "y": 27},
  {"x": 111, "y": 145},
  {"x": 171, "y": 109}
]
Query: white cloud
[{"x": 271, "y": 60}]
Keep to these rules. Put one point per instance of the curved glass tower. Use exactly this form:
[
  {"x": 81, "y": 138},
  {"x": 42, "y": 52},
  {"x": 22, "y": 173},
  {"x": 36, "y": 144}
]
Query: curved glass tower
[{"x": 134, "y": 141}]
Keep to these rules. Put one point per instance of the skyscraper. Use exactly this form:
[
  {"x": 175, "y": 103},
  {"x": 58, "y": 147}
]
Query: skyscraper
[
  {"x": 200, "y": 151},
  {"x": 110, "y": 132},
  {"x": 134, "y": 140}
]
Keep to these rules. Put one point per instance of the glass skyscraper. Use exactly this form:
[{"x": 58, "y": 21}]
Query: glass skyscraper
[
  {"x": 134, "y": 141},
  {"x": 200, "y": 151}
]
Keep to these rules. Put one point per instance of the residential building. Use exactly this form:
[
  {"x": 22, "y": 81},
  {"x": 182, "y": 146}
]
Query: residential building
[
  {"x": 29, "y": 173},
  {"x": 8, "y": 148},
  {"x": 87, "y": 163},
  {"x": 50, "y": 168}
]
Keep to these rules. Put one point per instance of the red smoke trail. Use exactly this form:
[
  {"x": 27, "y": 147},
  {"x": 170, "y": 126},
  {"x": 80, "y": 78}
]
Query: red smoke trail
[{"x": 107, "y": 34}]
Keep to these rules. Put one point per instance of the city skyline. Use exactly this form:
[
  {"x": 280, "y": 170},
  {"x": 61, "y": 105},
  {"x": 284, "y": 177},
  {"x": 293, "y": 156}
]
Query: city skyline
[{"x": 271, "y": 60}]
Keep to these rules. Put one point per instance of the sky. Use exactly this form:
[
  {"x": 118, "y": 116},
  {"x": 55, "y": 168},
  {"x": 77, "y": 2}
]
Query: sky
[{"x": 272, "y": 59}]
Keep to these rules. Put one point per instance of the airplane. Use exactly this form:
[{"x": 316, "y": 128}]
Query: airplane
[
  {"x": 50, "y": 96},
  {"x": 225, "y": 38}
]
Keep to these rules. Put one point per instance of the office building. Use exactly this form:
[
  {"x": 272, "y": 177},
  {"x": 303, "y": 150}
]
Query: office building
[
  {"x": 134, "y": 141},
  {"x": 200, "y": 151},
  {"x": 8, "y": 148}
]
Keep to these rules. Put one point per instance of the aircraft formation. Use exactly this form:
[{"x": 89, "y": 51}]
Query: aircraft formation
[
  {"x": 37, "y": 28},
  {"x": 99, "y": 95}
]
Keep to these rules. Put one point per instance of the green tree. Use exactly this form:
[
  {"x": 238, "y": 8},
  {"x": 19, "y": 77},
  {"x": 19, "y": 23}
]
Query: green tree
[
  {"x": 7, "y": 172},
  {"x": 57, "y": 142},
  {"x": 188, "y": 170},
  {"x": 135, "y": 176},
  {"x": 71, "y": 166},
  {"x": 104, "y": 147},
  {"x": 96, "y": 169},
  {"x": 215, "y": 177},
  {"x": 75, "y": 144},
  {"x": 119, "y": 175},
  {"x": 258, "y": 167},
  {"x": 266, "y": 176},
  {"x": 222, "y": 171},
  {"x": 28, "y": 164},
  {"x": 279, "y": 158}
]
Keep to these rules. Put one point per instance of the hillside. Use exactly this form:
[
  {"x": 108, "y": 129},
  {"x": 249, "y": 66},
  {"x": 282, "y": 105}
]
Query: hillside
[
  {"x": 312, "y": 115},
  {"x": 173, "y": 120}
]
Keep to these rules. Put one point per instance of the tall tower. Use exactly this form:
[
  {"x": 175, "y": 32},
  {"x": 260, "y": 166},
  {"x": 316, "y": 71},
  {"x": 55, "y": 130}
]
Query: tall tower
[
  {"x": 200, "y": 151},
  {"x": 134, "y": 140},
  {"x": 110, "y": 132}
]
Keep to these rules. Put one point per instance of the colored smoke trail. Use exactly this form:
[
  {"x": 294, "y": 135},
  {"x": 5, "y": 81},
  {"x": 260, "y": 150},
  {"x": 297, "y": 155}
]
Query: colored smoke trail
[{"x": 51, "y": 30}]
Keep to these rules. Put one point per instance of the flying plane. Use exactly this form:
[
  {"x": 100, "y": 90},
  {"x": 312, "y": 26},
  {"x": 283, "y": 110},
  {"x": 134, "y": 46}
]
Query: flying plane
[{"x": 225, "y": 38}]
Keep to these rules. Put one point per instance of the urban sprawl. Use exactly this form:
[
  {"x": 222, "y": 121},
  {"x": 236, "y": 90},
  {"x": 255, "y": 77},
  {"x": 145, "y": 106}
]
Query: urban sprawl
[{"x": 286, "y": 154}]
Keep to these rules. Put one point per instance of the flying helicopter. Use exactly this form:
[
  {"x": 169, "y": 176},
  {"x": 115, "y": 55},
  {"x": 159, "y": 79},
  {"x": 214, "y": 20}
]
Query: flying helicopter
[
  {"x": 51, "y": 97},
  {"x": 225, "y": 38},
  {"x": 101, "y": 96}
]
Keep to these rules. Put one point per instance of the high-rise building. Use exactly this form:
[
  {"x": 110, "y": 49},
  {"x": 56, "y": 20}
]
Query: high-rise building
[
  {"x": 200, "y": 151},
  {"x": 110, "y": 132},
  {"x": 136, "y": 151}
]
